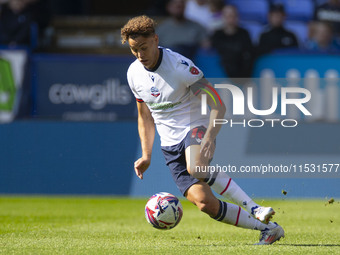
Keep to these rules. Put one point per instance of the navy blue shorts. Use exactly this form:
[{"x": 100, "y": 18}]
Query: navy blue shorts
[{"x": 175, "y": 158}]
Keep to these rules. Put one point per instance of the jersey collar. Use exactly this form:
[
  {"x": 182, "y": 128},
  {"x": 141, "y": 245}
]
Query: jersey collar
[{"x": 159, "y": 61}]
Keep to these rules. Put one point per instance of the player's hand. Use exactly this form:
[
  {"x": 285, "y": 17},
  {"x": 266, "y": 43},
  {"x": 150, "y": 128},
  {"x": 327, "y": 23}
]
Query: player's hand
[
  {"x": 207, "y": 148},
  {"x": 141, "y": 165}
]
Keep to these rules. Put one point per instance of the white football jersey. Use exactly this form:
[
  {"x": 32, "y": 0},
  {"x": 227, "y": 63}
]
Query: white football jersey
[{"x": 166, "y": 92}]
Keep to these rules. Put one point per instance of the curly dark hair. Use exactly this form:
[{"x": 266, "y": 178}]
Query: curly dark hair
[{"x": 138, "y": 26}]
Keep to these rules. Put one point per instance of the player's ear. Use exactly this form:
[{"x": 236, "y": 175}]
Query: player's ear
[{"x": 156, "y": 39}]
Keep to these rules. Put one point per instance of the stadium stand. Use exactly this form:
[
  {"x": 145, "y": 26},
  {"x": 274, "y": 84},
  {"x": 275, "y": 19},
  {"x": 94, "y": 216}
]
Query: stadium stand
[
  {"x": 299, "y": 28},
  {"x": 254, "y": 28},
  {"x": 254, "y": 10},
  {"x": 319, "y": 2},
  {"x": 85, "y": 34},
  {"x": 302, "y": 10}
]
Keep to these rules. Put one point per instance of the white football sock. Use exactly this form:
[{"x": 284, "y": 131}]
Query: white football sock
[
  {"x": 235, "y": 215},
  {"x": 222, "y": 184}
]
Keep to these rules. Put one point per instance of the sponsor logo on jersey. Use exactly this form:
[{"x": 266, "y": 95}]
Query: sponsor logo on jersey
[
  {"x": 194, "y": 70},
  {"x": 155, "y": 92},
  {"x": 162, "y": 106}
]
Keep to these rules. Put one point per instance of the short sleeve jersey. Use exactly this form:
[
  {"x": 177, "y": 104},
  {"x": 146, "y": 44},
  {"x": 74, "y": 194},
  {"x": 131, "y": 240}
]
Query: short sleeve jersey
[{"x": 166, "y": 92}]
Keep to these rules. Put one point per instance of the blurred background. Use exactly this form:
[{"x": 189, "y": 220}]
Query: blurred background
[{"x": 68, "y": 118}]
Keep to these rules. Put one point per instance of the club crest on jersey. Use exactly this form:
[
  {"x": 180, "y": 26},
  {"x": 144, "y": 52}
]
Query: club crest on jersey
[
  {"x": 155, "y": 92},
  {"x": 194, "y": 70}
]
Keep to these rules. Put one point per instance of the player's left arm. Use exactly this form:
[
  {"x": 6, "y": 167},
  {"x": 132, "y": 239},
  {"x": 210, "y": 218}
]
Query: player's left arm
[{"x": 217, "y": 111}]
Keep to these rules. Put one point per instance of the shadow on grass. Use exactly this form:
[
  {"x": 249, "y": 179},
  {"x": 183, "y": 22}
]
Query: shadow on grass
[
  {"x": 282, "y": 244},
  {"x": 209, "y": 245},
  {"x": 309, "y": 245}
]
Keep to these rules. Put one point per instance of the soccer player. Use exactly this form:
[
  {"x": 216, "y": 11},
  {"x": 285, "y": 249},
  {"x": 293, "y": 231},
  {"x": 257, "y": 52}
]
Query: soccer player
[{"x": 167, "y": 87}]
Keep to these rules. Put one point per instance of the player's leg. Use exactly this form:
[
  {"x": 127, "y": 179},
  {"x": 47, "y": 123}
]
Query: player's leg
[
  {"x": 201, "y": 195},
  {"x": 222, "y": 184}
]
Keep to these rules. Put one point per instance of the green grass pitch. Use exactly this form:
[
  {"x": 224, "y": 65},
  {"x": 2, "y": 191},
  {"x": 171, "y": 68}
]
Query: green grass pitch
[{"x": 109, "y": 225}]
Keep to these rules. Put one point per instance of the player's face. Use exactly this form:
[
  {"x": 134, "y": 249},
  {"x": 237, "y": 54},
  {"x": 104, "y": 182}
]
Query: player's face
[{"x": 145, "y": 49}]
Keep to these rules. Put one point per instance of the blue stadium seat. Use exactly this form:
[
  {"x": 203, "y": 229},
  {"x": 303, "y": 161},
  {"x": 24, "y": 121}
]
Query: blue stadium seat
[
  {"x": 210, "y": 63},
  {"x": 255, "y": 10},
  {"x": 254, "y": 29},
  {"x": 300, "y": 29},
  {"x": 302, "y": 10}
]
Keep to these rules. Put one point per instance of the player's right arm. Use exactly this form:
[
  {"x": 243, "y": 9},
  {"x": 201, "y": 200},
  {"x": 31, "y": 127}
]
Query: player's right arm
[{"x": 146, "y": 130}]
